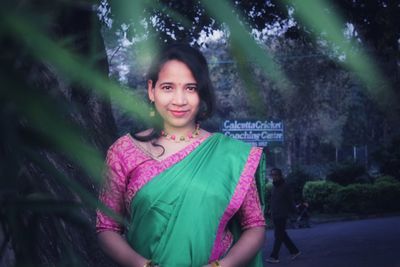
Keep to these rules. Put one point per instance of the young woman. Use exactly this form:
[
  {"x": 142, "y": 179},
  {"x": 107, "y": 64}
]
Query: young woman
[{"x": 190, "y": 196}]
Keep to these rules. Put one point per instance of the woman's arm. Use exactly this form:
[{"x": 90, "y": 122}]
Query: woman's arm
[
  {"x": 249, "y": 243},
  {"x": 115, "y": 246},
  {"x": 253, "y": 226},
  {"x": 112, "y": 196}
]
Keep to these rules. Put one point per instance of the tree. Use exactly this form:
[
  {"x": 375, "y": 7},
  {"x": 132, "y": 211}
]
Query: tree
[
  {"x": 187, "y": 20},
  {"x": 47, "y": 198}
]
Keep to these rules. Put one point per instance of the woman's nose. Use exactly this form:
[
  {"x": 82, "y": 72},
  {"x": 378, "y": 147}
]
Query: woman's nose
[{"x": 180, "y": 97}]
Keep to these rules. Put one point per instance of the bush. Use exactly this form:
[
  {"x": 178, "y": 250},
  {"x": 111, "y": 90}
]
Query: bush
[
  {"x": 388, "y": 195},
  {"x": 387, "y": 179},
  {"x": 357, "y": 198},
  {"x": 320, "y": 195},
  {"x": 297, "y": 179},
  {"x": 327, "y": 197},
  {"x": 348, "y": 173},
  {"x": 388, "y": 158}
]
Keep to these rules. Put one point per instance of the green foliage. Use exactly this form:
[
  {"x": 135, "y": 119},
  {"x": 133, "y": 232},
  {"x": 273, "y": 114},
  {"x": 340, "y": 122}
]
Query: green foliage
[
  {"x": 327, "y": 197},
  {"x": 369, "y": 198},
  {"x": 386, "y": 179},
  {"x": 346, "y": 173},
  {"x": 387, "y": 195},
  {"x": 185, "y": 20},
  {"x": 323, "y": 19},
  {"x": 388, "y": 158},
  {"x": 297, "y": 179},
  {"x": 320, "y": 195},
  {"x": 357, "y": 198}
]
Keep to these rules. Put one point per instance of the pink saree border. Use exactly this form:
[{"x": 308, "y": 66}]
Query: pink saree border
[
  {"x": 158, "y": 166},
  {"x": 236, "y": 201}
]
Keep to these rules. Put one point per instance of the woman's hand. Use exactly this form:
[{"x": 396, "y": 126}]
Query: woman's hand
[
  {"x": 249, "y": 243},
  {"x": 115, "y": 246},
  {"x": 213, "y": 264}
]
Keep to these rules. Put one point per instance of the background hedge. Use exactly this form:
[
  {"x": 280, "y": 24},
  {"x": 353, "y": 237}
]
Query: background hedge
[{"x": 383, "y": 195}]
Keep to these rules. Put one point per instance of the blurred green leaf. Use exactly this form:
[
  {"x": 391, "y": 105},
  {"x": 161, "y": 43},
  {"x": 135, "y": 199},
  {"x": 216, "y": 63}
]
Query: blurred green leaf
[
  {"x": 75, "y": 187},
  {"x": 71, "y": 65},
  {"x": 325, "y": 21},
  {"x": 244, "y": 43},
  {"x": 45, "y": 119}
]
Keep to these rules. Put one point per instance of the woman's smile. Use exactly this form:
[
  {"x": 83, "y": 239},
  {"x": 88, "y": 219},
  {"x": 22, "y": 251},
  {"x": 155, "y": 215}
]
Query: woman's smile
[{"x": 179, "y": 113}]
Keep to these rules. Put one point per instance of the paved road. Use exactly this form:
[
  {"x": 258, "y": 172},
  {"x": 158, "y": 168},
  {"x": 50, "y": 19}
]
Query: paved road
[{"x": 364, "y": 243}]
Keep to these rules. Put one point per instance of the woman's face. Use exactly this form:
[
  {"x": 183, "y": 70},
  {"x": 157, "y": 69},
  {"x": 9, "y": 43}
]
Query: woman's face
[{"x": 175, "y": 96}]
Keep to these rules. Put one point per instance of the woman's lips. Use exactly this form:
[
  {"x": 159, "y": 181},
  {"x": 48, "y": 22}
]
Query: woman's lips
[{"x": 178, "y": 113}]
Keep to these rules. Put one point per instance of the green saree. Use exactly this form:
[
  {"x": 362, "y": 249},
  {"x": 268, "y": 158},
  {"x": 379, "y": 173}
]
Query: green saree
[{"x": 180, "y": 216}]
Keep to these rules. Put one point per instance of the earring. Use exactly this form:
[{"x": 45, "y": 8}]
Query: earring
[{"x": 152, "y": 111}]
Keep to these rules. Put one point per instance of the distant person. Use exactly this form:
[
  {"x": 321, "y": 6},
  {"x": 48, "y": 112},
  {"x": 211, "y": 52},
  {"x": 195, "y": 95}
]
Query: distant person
[
  {"x": 281, "y": 206},
  {"x": 303, "y": 218}
]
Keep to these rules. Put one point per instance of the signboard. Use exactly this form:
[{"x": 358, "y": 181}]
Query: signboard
[{"x": 255, "y": 132}]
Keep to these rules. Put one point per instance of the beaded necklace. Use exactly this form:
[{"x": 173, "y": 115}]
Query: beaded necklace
[{"x": 182, "y": 138}]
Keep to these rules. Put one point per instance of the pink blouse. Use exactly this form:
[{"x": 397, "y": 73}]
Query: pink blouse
[{"x": 129, "y": 168}]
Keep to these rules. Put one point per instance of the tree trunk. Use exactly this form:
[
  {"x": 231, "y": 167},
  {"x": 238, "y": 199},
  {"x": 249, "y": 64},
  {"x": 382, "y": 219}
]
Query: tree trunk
[{"x": 53, "y": 236}]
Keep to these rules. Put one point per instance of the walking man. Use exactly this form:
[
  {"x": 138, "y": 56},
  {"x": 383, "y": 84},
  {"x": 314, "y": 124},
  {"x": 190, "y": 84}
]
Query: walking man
[{"x": 281, "y": 205}]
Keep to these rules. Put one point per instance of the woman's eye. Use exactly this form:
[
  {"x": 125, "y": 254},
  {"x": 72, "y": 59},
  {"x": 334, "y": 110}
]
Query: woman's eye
[
  {"x": 166, "y": 88},
  {"x": 192, "y": 88}
]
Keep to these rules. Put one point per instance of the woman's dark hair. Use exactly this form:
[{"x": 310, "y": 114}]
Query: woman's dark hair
[{"x": 197, "y": 64}]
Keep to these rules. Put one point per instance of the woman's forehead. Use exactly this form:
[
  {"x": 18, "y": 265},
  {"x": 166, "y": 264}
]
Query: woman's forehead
[{"x": 174, "y": 69}]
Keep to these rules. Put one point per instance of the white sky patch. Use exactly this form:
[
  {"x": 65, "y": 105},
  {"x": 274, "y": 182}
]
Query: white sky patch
[
  {"x": 144, "y": 23},
  {"x": 122, "y": 33},
  {"x": 263, "y": 35},
  {"x": 125, "y": 42},
  {"x": 350, "y": 31},
  {"x": 103, "y": 12},
  {"x": 252, "y": 13},
  {"x": 172, "y": 35},
  {"x": 137, "y": 39},
  {"x": 215, "y": 36},
  {"x": 123, "y": 70},
  {"x": 275, "y": 29},
  {"x": 124, "y": 27},
  {"x": 154, "y": 20}
]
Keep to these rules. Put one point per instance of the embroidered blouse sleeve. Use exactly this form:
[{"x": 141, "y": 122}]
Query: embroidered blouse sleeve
[
  {"x": 250, "y": 212},
  {"x": 112, "y": 192}
]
